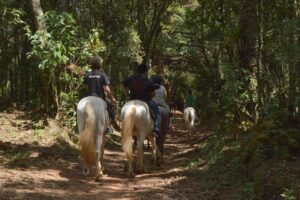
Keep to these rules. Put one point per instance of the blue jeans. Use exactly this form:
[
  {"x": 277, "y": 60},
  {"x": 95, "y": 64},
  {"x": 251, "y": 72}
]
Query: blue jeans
[{"x": 157, "y": 121}]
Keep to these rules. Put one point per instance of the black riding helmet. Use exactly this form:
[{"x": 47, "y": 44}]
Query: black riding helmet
[
  {"x": 157, "y": 80},
  {"x": 142, "y": 68},
  {"x": 96, "y": 62}
]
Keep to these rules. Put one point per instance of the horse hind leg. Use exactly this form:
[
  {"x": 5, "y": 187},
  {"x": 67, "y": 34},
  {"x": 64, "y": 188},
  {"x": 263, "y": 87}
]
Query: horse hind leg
[
  {"x": 130, "y": 165},
  {"x": 99, "y": 157},
  {"x": 155, "y": 151},
  {"x": 190, "y": 130},
  {"x": 160, "y": 153},
  {"x": 86, "y": 170},
  {"x": 148, "y": 143},
  {"x": 127, "y": 148},
  {"x": 140, "y": 156}
]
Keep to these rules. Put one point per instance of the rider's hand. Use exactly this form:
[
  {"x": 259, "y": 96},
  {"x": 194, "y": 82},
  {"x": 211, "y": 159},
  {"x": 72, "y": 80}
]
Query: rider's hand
[{"x": 113, "y": 100}]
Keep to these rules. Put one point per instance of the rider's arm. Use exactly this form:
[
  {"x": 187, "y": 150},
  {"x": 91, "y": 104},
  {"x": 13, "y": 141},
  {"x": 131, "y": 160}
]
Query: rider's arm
[
  {"x": 126, "y": 90},
  {"x": 109, "y": 93},
  {"x": 152, "y": 94},
  {"x": 107, "y": 89},
  {"x": 165, "y": 94},
  {"x": 151, "y": 88},
  {"x": 125, "y": 84}
]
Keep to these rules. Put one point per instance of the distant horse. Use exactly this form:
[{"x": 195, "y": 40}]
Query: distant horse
[
  {"x": 92, "y": 120},
  {"x": 189, "y": 117},
  {"x": 165, "y": 122},
  {"x": 136, "y": 121}
]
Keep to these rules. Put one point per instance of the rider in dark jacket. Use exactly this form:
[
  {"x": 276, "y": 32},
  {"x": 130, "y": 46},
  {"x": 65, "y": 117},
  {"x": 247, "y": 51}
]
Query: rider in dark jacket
[{"x": 140, "y": 87}]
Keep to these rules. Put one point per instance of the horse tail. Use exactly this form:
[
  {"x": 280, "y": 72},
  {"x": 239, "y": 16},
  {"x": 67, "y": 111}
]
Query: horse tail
[
  {"x": 127, "y": 128},
  {"x": 87, "y": 140}
]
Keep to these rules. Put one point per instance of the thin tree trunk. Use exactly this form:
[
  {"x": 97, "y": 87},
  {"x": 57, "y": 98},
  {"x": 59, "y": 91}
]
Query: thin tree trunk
[
  {"x": 149, "y": 35},
  {"x": 38, "y": 13},
  {"x": 292, "y": 66},
  {"x": 45, "y": 80},
  {"x": 247, "y": 50},
  {"x": 259, "y": 62}
]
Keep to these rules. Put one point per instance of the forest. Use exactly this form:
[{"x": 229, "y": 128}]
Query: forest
[{"x": 240, "y": 58}]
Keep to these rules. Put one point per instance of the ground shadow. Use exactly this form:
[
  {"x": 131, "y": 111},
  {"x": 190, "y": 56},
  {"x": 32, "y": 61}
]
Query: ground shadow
[{"x": 170, "y": 181}]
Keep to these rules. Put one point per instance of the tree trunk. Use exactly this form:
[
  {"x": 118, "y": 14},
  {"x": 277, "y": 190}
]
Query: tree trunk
[
  {"x": 259, "y": 63},
  {"x": 292, "y": 66},
  {"x": 45, "y": 75},
  {"x": 148, "y": 35},
  {"x": 247, "y": 50},
  {"x": 38, "y": 13}
]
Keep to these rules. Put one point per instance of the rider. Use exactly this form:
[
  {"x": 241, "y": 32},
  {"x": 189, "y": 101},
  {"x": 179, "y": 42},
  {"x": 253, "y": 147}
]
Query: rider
[
  {"x": 161, "y": 95},
  {"x": 189, "y": 102},
  {"x": 160, "y": 92},
  {"x": 98, "y": 85},
  {"x": 140, "y": 87}
]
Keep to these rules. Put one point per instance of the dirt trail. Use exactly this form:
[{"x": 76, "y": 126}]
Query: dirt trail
[{"x": 34, "y": 167}]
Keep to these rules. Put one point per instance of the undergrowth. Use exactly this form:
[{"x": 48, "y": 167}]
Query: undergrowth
[{"x": 262, "y": 164}]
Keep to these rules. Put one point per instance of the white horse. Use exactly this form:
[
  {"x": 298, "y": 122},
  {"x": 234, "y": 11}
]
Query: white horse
[
  {"x": 189, "y": 117},
  {"x": 92, "y": 120},
  {"x": 136, "y": 121}
]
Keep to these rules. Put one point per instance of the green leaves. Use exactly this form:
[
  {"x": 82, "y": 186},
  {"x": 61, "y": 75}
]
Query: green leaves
[
  {"x": 57, "y": 44},
  {"x": 51, "y": 52},
  {"x": 289, "y": 194}
]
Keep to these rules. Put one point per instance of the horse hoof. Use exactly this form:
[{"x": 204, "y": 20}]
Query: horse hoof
[
  {"x": 85, "y": 171},
  {"x": 154, "y": 161},
  {"x": 131, "y": 175},
  {"x": 125, "y": 168},
  {"x": 141, "y": 171},
  {"x": 98, "y": 178}
]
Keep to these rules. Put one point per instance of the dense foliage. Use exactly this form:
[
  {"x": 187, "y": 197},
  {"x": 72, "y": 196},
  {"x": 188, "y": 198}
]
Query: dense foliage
[{"x": 241, "y": 59}]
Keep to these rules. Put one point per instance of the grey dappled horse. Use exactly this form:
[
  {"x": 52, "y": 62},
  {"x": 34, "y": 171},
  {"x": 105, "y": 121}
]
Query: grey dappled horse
[
  {"x": 165, "y": 122},
  {"x": 189, "y": 117},
  {"x": 136, "y": 121},
  {"x": 92, "y": 120}
]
